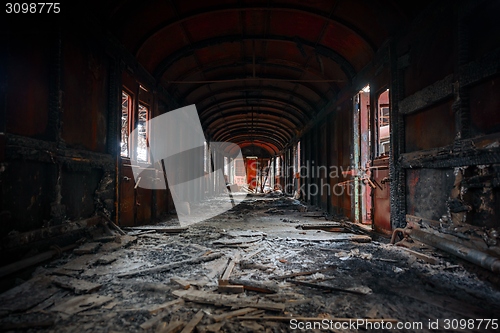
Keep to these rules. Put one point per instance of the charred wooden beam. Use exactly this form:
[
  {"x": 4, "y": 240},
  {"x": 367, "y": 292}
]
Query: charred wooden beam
[
  {"x": 24, "y": 148},
  {"x": 484, "y": 68},
  {"x": 477, "y": 151},
  {"x": 428, "y": 96}
]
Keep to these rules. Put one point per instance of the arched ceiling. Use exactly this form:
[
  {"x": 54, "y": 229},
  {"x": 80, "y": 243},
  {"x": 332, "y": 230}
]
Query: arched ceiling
[{"x": 257, "y": 71}]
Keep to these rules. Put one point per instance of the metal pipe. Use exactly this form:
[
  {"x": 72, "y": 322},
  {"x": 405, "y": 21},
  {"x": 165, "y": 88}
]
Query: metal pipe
[
  {"x": 395, "y": 232},
  {"x": 474, "y": 256}
]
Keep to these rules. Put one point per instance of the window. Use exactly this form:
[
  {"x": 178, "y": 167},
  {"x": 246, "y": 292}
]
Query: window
[
  {"x": 125, "y": 120},
  {"x": 142, "y": 133},
  {"x": 384, "y": 143}
]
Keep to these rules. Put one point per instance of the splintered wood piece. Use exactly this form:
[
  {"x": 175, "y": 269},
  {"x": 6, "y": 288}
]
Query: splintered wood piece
[
  {"x": 159, "y": 229},
  {"x": 157, "y": 308},
  {"x": 173, "y": 265},
  {"x": 180, "y": 282},
  {"x": 288, "y": 276},
  {"x": 360, "y": 239},
  {"x": 424, "y": 257},
  {"x": 81, "y": 303},
  {"x": 87, "y": 248},
  {"x": 229, "y": 269},
  {"x": 27, "y": 295},
  {"x": 232, "y": 314},
  {"x": 330, "y": 288},
  {"x": 254, "y": 253},
  {"x": 173, "y": 327},
  {"x": 76, "y": 285},
  {"x": 193, "y": 322},
  {"x": 253, "y": 286},
  {"x": 231, "y": 289},
  {"x": 204, "y": 297}
]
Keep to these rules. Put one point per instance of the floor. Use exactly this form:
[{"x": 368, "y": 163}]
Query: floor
[{"x": 271, "y": 264}]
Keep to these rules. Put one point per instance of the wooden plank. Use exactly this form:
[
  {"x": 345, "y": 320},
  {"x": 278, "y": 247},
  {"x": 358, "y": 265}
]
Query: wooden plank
[
  {"x": 81, "y": 303},
  {"x": 203, "y": 297},
  {"x": 27, "y": 295},
  {"x": 173, "y": 327},
  {"x": 232, "y": 314},
  {"x": 288, "y": 276},
  {"x": 87, "y": 248},
  {"x": 254, "y": 286},
  {"x": 232, "y": 289},
  {"x": 76, "y": 285},
  {"x": 173, "y": 265},
  {"x": 193, "y": 322},
  {"x": 330, "y": 288},
  {"x": 424, "y": 257},
  {"x": 157, "y": 308},
  {"x": 224, "y": 280},
  {"x": 184, "y": 284},
  {"x": 159, "y": 229}
]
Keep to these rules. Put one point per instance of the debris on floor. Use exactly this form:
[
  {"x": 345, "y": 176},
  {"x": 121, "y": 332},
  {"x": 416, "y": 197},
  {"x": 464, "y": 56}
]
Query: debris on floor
[{"x": 243, "y": 272}]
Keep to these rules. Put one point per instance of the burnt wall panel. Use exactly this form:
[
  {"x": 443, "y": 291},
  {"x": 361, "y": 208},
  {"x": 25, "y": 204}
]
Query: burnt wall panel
[
  {"x": 26, "y": 195},
  {"x": 28, "y": 81},
  {"x": 485, "y": 107},
  {"x": 431, "y": 128},
  {"x": 85, "y": 94},
  {"x": 428, "y": 191},
  {"x": 78, "y": 192}
]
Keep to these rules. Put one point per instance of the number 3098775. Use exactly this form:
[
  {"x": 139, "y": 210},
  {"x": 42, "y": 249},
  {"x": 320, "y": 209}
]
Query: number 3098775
[{"x": 32, "y": 8}]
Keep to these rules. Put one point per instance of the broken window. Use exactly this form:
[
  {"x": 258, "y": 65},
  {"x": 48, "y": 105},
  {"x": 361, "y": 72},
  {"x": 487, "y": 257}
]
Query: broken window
[
  {"x": 142, "y": 132},
  {"x": 383, "y": 123},
  {"x": 125, "y": 120}
]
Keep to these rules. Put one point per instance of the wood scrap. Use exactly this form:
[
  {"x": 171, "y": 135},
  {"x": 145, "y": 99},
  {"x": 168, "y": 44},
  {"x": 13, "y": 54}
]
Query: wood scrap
[
  {"x": 318, "y": 226},
  {"x": 360, "y": 239},
  {"x": 173, "y": 327},
  {"x": 159, "y": 229},
  {"x": 87, "y": 248},
  {"x": 151, "y": 322},
  {"x": 27, "y": 295},
  {"x": 173, "y": 265},
  {"x": 250, "y": 255},
  {"x": 184, "y": 284},
  {"x": 203, "y": 297},
  {"x": 232, "y": 314},
  {"x": 288, "y": 276},
  {"x": 237, "y": 241},
  {"x": 124, "y": 241},
  {"x": 254, "y": 286},
  {"x": 81, "y": 303},
  {"x": 231, "y": 289},
  {"x": 224, "y": 279},
  {"x": 157, "y": 308},
  {"x": 424, "y": 257},
  {"x": 112, "y": 224},
  {"x": 329, "y": 288},
  {"x": 78, "y": 286},
  {"x": 193, "y": 322}
]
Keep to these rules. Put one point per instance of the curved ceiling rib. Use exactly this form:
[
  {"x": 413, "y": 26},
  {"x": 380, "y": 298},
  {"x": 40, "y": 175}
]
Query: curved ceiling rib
[
  {"x": 313, "y": 94},
  {"x": 281, "y": 8},
  {"x": 327, "y": 52},
  {"x": 283, "y": 108}
]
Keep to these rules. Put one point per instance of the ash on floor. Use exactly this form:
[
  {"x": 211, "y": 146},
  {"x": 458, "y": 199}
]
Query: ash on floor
[{"x": 257, "y": 268}]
